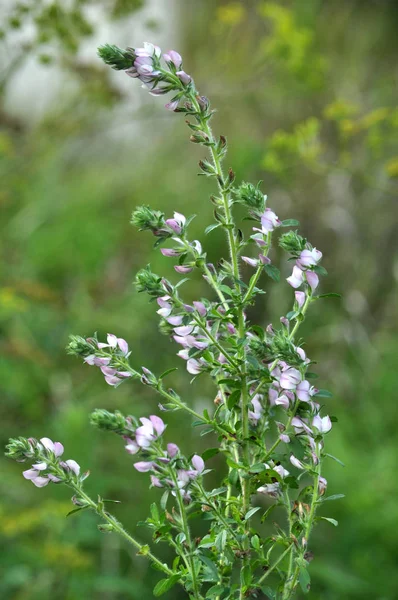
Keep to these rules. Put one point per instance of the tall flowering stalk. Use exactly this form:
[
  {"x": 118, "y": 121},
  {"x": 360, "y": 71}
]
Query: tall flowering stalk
[{"x": 267, "y": 414}]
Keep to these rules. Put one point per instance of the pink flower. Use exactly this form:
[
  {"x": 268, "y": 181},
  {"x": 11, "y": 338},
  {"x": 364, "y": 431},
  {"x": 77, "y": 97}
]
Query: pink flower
[
  {"x": 177, "y": 223},
  {"x": 114, "y": 342},
  {"x": 184, "y": 77},
  {"x": 132, "y": 447},
  {"x": 170, "y": 252},
  {"x": 198, "y": 464},
  {"x": 172, "y": 450},
  {"x": 300, "y": 299},
  {"x": 269, "y": 221},
  {"x": 296, "y": 462},
  {"x": 55, "y": 447},
  {"x": 308, "y": 258},
  {"x": 194, "y": 366},
  {"x": 143, "y": 467},
  {"x": 257, "y": 409},
  {"x": 150, "y": 430},
  {"x": 173, "y": 57},
  {"x": 71, "y": 465},
  {"x": 312, "y": 279},
  {"x": 184, "y": 269},
  {"x": 322, "y": 486},
  {"x": 156, "y": 481},
  {"x": 148, "y": 50},
  {"x": 304, "y": 391},
  {"x": 172, "y": 106},
  {"x": 300, "y": 425},
  {"x": 296, "y": 278},
  {"x": 323, "y": 424},
  {"x": 250, "y": 261},
  {"x": 290, "y": 378},
  {"x": 200, "y": 307},
  {"x": 282, "y": 400},
  {"x": 271, "y": 489}
]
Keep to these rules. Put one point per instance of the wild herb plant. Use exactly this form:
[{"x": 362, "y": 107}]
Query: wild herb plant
[{"x": 267, "y": 416}]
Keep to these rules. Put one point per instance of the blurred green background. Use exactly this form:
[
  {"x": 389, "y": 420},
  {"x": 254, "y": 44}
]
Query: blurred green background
[{"x": 306, "y": 93}]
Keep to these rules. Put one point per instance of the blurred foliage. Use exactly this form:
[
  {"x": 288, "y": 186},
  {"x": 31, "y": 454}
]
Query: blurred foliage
[{"x": 305, "y": 94}]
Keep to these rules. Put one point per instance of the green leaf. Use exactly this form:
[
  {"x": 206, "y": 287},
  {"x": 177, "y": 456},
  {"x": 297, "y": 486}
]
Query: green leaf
[
  {"x": 251, "y": 512},
  {"x": 255, "y": 542},
  {"x": 217, "y": 492},
  {"x": 330, "y": 295},
  {"x": 209, "y": 453},
  {"x": 305, "y": 580},
  {"x": 336, "y": 459},
  {"x": 163, "y": 500},
  {"x": 320, "y": 270},
  {"x": 221, "y": 540},
  {"x": 154, "y": 512},
  {"x": 75, "y": 510},
  {"x": 246, "y": 576},
  {"x": 290, "y": 223},
  {"x": 212, "y": 227},
  {"x": 311, "y": 375},
  {"x": 167, "y": 372},
  {"x": 234, "y": 465},
  {"x": 323, "y": 394},
  {"x": 330, "y": 520},
  {"x": 233, "y": 399},
  {"x": 258, "y": 468},
  {"x": 334, "y": 497},
  {"x": 164, "y": 585},
  {"x": 212, "y": 573},
  {"x": 268, "y": 592},
  {"x": 215, "y": 591},
  {"x": 273, "y": 272}
]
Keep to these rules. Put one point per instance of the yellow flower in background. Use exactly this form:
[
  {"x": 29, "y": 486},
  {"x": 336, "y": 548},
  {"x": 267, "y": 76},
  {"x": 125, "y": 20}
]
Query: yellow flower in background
[
  {"x": 231, "y": 14},
  {"x": 391, "y": 167},
  {"x": 67, "y": 555}
]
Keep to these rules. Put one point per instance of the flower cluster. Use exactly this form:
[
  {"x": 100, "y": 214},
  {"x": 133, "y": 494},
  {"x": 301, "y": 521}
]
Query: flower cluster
[
  {"x": 47, "y": 466},
  {"x": 110, "y": 357},
  {"x": 145, "y": 64},
  {"x": 266, "y": 414},
  {"x": 303, "y": 270}
]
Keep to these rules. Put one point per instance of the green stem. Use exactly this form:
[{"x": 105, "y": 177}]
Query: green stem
[
  {"x": 276, "y": 563},
  {"x": 233, "y": 251},
  {"x": 297, "y": 324},
  {"x": 186, "y": 530},
  {"x": 215, "y": 342},
  {"x": 116, "y": 526},
  {"x": 219, "y": 515},
  {"x": 291, "y": 580},
  {"x": 256, "y": 276}
]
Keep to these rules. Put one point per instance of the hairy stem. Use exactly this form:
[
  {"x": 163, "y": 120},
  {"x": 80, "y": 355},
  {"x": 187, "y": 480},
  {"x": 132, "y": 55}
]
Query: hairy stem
[{"x": 118, "y": 528}]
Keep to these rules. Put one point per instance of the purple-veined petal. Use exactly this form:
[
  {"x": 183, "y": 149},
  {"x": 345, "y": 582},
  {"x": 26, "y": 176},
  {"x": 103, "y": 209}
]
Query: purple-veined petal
[
  {"x": 42, "y": 466},
  {"x": 112, "y": 340},
  {"x": 143, "y": 466},
  {"x": 40, "y": 481},
  {"x": 312, "y": 279},
  {"x": 47, "y": 443},
  {"x": 73, "y": 466},
  {"x": 123, "y": 345},
  {"x": 300, "y": 298},
  {"x": 172, "y": 450},
  {"x": 158, "y": 424},
  {"x": 30, "y": 474},
  {"x": 296, "y": 462},
  {"x": 198, "y": 463}
]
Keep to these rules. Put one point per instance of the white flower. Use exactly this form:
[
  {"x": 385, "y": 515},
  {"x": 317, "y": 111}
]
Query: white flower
[{"x": 323, "y": 424}]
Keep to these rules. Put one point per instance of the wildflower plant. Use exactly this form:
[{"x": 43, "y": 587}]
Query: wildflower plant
[{"x": 267, "y": 418}]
